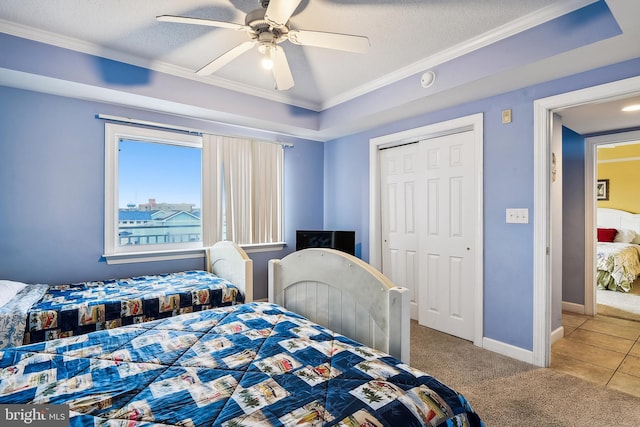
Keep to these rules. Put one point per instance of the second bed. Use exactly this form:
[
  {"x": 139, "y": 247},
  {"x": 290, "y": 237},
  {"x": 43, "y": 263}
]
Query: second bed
[{"x": 45, "y": 312}]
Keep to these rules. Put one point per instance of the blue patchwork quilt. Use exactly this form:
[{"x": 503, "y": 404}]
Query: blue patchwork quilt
[
  {"x": 79, "y": 308},
  {"x": 252, "y": 364}
]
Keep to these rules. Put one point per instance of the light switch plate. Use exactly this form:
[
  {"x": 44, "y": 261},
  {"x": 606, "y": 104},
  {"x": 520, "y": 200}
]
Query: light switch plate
[
  {"x": 506, "y": 116},
  {"x": 517, "y": 216}
]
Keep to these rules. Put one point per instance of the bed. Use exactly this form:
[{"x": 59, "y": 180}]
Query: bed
[
  {"x": 618, "y": 249},
  {"x": 44, "y": 312},
  {"x": 345, "y": 294},
  {"x": 256, "y": 363}
]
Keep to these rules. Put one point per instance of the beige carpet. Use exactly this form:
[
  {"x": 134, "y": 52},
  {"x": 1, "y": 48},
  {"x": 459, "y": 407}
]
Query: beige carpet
[{"x": 507, "y": 392}]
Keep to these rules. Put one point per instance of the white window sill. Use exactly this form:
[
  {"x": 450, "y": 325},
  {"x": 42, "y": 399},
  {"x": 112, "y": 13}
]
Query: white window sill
[
  {"x": 263, "y": 247},
  {"x": 131, "y": 257}
]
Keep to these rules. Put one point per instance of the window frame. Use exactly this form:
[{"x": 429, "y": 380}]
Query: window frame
[
  {"x": 210, "y": 185},
  {"x": 113, "y": 252}
]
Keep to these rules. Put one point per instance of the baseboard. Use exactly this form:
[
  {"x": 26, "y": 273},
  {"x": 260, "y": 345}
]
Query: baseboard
[
  {"x": 557, "y": 334},
  {"x": 508, "y": 350},
  {"x": 572, "y": 307}
]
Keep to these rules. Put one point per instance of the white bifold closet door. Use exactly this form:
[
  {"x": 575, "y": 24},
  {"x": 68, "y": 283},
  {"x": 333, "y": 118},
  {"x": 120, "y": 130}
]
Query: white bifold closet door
[{"x": 428, "y": 213}]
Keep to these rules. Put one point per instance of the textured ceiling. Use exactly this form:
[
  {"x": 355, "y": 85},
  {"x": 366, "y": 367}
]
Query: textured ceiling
[
  {"x": 402, "y": 35},
  {"x": 407, "y": 37}
]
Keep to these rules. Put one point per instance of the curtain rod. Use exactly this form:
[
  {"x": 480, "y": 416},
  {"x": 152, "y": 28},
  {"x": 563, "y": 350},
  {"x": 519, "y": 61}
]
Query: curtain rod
[
  {"x": 399, "y": 143},
  {"x": 172, "y": 127}
]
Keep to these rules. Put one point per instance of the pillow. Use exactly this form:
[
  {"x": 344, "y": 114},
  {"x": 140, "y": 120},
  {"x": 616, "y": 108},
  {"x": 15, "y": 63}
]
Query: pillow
[
  {"x": 606, "y": 234},
  {"x": 625, "y": 235},
  {"x": 9, "y": 289}
]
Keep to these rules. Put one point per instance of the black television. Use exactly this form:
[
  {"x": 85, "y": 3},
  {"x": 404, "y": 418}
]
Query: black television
[{"x": 344, "y": 241}]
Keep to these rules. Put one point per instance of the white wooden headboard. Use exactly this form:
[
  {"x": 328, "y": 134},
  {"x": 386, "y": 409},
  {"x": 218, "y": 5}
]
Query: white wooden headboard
[
  {"x": 615, "y": 218},
  {"x": 229, "y": 261},
  {"x": 344, "y": 294}
]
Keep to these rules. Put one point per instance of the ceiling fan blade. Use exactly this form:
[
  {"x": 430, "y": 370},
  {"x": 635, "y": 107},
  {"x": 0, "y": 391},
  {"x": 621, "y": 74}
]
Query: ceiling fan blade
[
  {"x": 346, "y": 42},
  {"x": 281, "y": 70},
  {"x": 225, "y": 58},
  {"x": 202, "y": 21},
  {"x": 279, "y": 11}
]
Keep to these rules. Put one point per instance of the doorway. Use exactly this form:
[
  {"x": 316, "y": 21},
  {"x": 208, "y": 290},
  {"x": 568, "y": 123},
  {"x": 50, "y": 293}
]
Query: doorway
[
  {"x": 591, "y": 159},
  {"x": 543, "y": 133}
]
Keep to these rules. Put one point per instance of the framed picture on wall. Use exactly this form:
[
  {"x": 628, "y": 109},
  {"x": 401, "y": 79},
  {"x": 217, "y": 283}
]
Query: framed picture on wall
[{"x": 602, "y": 189}]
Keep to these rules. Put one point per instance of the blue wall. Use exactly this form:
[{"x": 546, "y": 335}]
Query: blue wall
[
  {"x": 573, "y": 226},
  {"x": 52, "y": 171},
  {"x": 508, "y": 182},
  {"x": 52, "y": 190},
  {"x": 52, "y": 167}
]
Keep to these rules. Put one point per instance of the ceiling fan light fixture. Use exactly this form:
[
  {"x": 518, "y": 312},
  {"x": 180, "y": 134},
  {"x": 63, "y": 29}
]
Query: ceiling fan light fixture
[
  {"x": 267, "y": 63},
  {"x": 267, "y": 59}
]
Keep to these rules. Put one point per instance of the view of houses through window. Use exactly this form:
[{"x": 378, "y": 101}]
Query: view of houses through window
[{"x": 159, "y": 193}]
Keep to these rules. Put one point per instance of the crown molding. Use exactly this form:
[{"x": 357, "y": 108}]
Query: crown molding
[
  {"x": 514, "y": 27},
  {"x": 505, "y": 31},
  {"x": 88, "y": 48}
]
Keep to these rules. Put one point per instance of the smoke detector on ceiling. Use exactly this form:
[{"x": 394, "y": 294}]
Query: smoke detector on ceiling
[{"x": 428, "y": 79}]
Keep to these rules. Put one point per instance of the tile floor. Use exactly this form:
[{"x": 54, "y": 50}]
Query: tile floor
[{"x": 605, "y": 350}]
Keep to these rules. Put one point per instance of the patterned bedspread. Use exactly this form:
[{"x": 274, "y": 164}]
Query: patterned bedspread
[
  {"x": 250, "y": 364},
  {"x": 13, "y": 315},
  {"x": 618, "y": 265},
  {"x": 79, "y": 308}
]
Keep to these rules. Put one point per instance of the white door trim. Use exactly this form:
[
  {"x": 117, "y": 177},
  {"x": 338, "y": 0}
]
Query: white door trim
[
  {"x": 542, "y": 111},
  {"x": 473, "y": 122}
]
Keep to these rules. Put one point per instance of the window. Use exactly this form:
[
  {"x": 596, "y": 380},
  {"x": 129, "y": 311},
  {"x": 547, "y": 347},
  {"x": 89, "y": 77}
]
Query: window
[
  {"x": 170, "y": 194},
  {"x": 158, "y": 176}
]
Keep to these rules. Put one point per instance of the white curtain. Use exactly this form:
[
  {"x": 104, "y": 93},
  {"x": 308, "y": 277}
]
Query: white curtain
[
  {"x": 248, "y": 186},
  {"x": 267, "y": 196},
  {"x": 237, "y": 183}
]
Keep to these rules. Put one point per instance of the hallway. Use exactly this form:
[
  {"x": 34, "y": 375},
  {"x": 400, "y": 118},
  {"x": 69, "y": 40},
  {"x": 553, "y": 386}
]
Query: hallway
[{"x": 601, "y": 349}]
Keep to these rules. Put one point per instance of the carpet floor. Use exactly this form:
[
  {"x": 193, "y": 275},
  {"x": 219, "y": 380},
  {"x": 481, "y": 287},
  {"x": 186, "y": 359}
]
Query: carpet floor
[{"x": 507, "y": 392}]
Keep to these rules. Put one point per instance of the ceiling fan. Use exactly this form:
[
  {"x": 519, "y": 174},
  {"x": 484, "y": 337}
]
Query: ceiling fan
[{"x": 267, "y": 27}]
